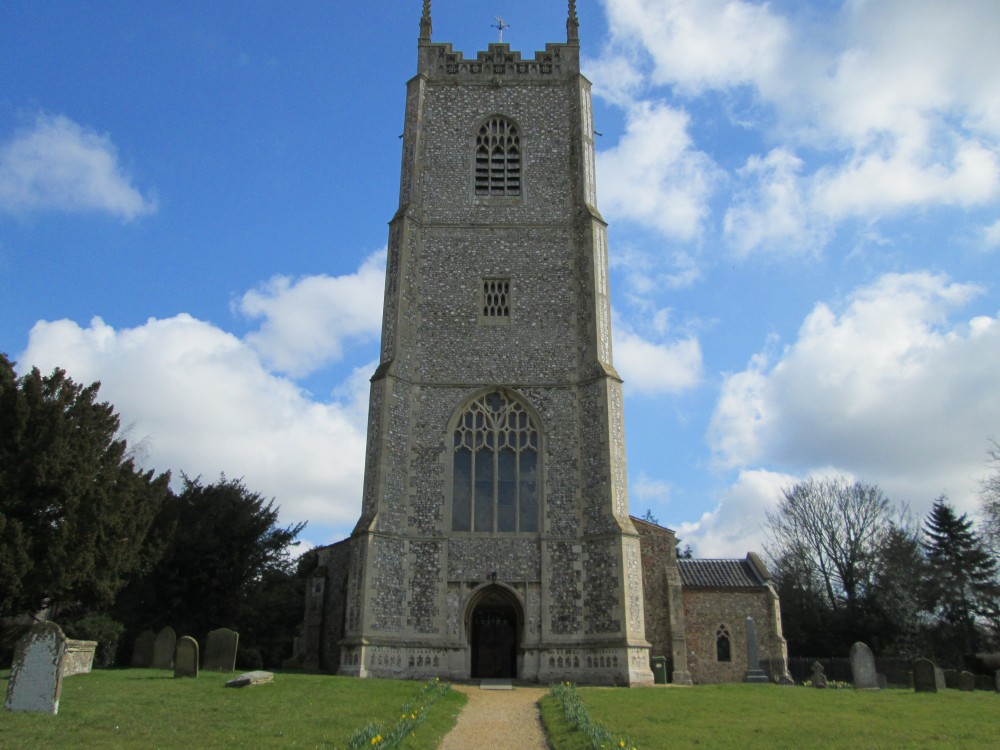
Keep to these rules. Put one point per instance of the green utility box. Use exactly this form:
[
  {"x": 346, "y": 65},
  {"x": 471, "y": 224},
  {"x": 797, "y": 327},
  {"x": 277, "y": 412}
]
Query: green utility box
[{"x": 659, "y": 666}]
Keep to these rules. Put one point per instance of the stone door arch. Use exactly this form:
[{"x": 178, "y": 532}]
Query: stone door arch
[{"x": 494, "y": 625}]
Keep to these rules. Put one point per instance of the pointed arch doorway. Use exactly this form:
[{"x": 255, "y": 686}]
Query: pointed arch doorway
[{"x": 494, "y": 623}]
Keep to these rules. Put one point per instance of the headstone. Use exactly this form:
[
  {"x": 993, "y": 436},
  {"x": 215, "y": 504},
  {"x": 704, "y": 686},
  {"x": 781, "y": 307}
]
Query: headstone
[
  {"x": 966, "y": 681},
  {"x": 249, "y": 679},
  {"x": 186, "y": 657},
  {"x": 939, "y": 679},
  {"x": 37, "y": 670},
  {"x": 881, "y": 681},
  {"x": 951, "y": 678},
  {"x": 163, "y": 649},
  {"x": 863, "y": 667},
  {"x": 818, "y": 678},
  {"x": 220, "y": 650},
  {"x": 996, "y": 677},
  {"x": 754, "y": 672},
  {"x": 984, "y": 682},
  {"x": 79, "y": 657},
  {"x": 142, "y": 649},
  {"x": 924, "y": 680}
]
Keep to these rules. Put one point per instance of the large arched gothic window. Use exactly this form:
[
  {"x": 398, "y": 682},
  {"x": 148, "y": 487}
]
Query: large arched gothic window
[
  {"x": 498, "y": 158},
  {"x": 495, "y": 467}
]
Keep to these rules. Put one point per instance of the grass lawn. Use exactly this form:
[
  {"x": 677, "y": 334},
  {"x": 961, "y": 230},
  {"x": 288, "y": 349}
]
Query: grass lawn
[
  {"x": 150, "y": 709},
  {"x": 769, "y": 716}
]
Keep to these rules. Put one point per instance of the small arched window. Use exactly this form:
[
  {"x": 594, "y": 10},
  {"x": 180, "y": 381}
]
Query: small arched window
[
  {"x": 495, "y": 467},
  {"x": 723, "y": 650},
  {"x": 498, "y": 158}
]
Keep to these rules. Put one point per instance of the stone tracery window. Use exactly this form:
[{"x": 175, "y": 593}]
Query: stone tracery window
[
  {"x": 723, "y": 648},
  {"x": 495, "y": 467},
  {"x": 498, "y": 158}
]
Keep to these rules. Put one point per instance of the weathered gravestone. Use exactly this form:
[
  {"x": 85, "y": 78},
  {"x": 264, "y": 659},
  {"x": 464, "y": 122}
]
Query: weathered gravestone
[
  {"x": 881, "y": 680},
  {"x": 142, "y": 649},
  {"x": 220, "y": 650},
  {"x": 939, "y": 679},
  {"x": 863, "y": 667},
  {"x": 818, "y": 678},
  {"x": 996, "y": 677},
  {"x": 754, "y": 672},
  {"x": 951, "y": 678},
  {"x": 924, "y": 680},
  {"x": 186, "y": 657},
  {"x": 966, "y": 681},
  {"x": 249, "y": 679},
  {"x": 163, "y": 649},
  {"x": 37, "y": 670}
]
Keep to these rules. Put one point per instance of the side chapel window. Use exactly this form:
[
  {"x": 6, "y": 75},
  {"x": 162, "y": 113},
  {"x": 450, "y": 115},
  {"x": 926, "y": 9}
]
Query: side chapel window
[
  {"x": 495, "y": 462},
  {"x": 723, "y": 651},
  {"x": 498, "y": 158}
]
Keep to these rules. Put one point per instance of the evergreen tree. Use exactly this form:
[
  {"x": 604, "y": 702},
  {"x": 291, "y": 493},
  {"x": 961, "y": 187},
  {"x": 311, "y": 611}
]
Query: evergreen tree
[
  {"x": 960, "y": 586},
  {"x": 74, "y": 510},
  {"x": 226, "y": 563}
]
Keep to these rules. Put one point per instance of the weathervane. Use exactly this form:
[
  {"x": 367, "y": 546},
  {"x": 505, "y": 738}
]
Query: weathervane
[{"x": 500, "y": 27}]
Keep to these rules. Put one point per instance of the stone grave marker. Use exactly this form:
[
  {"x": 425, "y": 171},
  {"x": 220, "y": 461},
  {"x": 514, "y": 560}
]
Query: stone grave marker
[
  {"x": 754, "y": 672},
  {"x": 951, "y": 678},
  {"x": 939, "y": 679},
  {"x": 863, "y": 667},
  {"x": 220, "y": 650},
  {"x": 37, "y": 670},
  {"x": 186, "y": 657},
  {"x": 966, "y": 681},
  {"x": 142, "y": 649},
  {"x": 163, "y": 649},
  {"x": 818, "y": 678},
  {"x": 249, "y": 679},
  {"x": 882, "y": 681},
  {"x": 924, "y": 679},
  {"x": 984, "y": 682}
]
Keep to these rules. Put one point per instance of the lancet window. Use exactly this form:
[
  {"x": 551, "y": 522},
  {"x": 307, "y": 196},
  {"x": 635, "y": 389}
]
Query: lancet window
[
  {"x": 498, "y": 158},
  {"x": 495, "y": 467},
  {"x": 723, "y": 648}
]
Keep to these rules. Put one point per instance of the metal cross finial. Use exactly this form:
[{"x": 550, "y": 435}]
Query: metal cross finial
[{"x": 500, "y": 27}]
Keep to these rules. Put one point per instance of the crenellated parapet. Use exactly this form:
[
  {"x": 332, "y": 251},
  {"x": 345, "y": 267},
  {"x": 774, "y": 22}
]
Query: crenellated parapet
[{"x": 439, "y": 61}]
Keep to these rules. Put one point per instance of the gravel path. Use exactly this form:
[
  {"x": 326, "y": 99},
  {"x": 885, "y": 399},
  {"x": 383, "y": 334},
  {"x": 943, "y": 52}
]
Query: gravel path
[{"x": 498, "y": 719}]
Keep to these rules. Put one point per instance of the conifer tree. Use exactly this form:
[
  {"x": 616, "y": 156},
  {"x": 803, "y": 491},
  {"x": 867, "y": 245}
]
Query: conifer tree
[
  {"x": 74, "y": 510},
  {"x": 961, "y": 585}
]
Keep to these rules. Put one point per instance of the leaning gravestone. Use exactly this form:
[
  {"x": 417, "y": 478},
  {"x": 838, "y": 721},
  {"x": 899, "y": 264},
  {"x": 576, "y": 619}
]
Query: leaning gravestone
[
  {"x": 966, "y": 681},
  {"x": 951, "y": 678},
  {"x": 924, "y": 680},
  {"x": 186, "y": 657},
  {"x": 754, "y": 672},
  {"x": 863, "y": 667},
  {"x": 818, "y": 678},
  {"x": 163, "y": 649},
  {"x": 220, "y": 650},
  {"x": 37, "y": 670},
  {"x": 142, "y": 649},
  {"x": 249, "y": 679}
]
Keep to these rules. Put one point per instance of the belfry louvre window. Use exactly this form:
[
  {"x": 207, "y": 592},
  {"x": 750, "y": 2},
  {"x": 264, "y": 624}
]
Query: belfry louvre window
[
  {"x": 496, "y": 298},
  {"x": 495, "y": 462},
  {"x": 498, "y": 158}
]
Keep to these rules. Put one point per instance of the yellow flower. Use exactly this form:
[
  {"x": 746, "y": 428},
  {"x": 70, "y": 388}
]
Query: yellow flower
[{"x": 621, "y": 743}]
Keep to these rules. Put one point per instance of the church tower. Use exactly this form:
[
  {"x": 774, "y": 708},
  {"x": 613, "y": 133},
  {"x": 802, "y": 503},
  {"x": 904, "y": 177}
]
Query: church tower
[{"x": 494, "y": 538}]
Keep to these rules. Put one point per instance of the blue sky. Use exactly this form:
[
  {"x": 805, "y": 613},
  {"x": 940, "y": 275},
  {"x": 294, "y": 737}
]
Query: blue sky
[{"x": 804, "y": 208}]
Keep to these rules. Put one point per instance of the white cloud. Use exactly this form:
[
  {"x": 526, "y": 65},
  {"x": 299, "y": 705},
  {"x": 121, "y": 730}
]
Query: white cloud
[
  {"x": 878, "y": 107},
  {"x": 770, "y": 211},
  {"x": 654, "y": 176},
  {"x": 306, "y": 322},
  {"x": 991, "y": 235},
  {"x": 888, "y": 389},
  {"x": 736, "y": 525},
  {"x": 59, "y": 165},
  {"x": 650, "y": 368},
  {"x": 699, "y": 44},
  {"x": 202, "y": 403}
]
